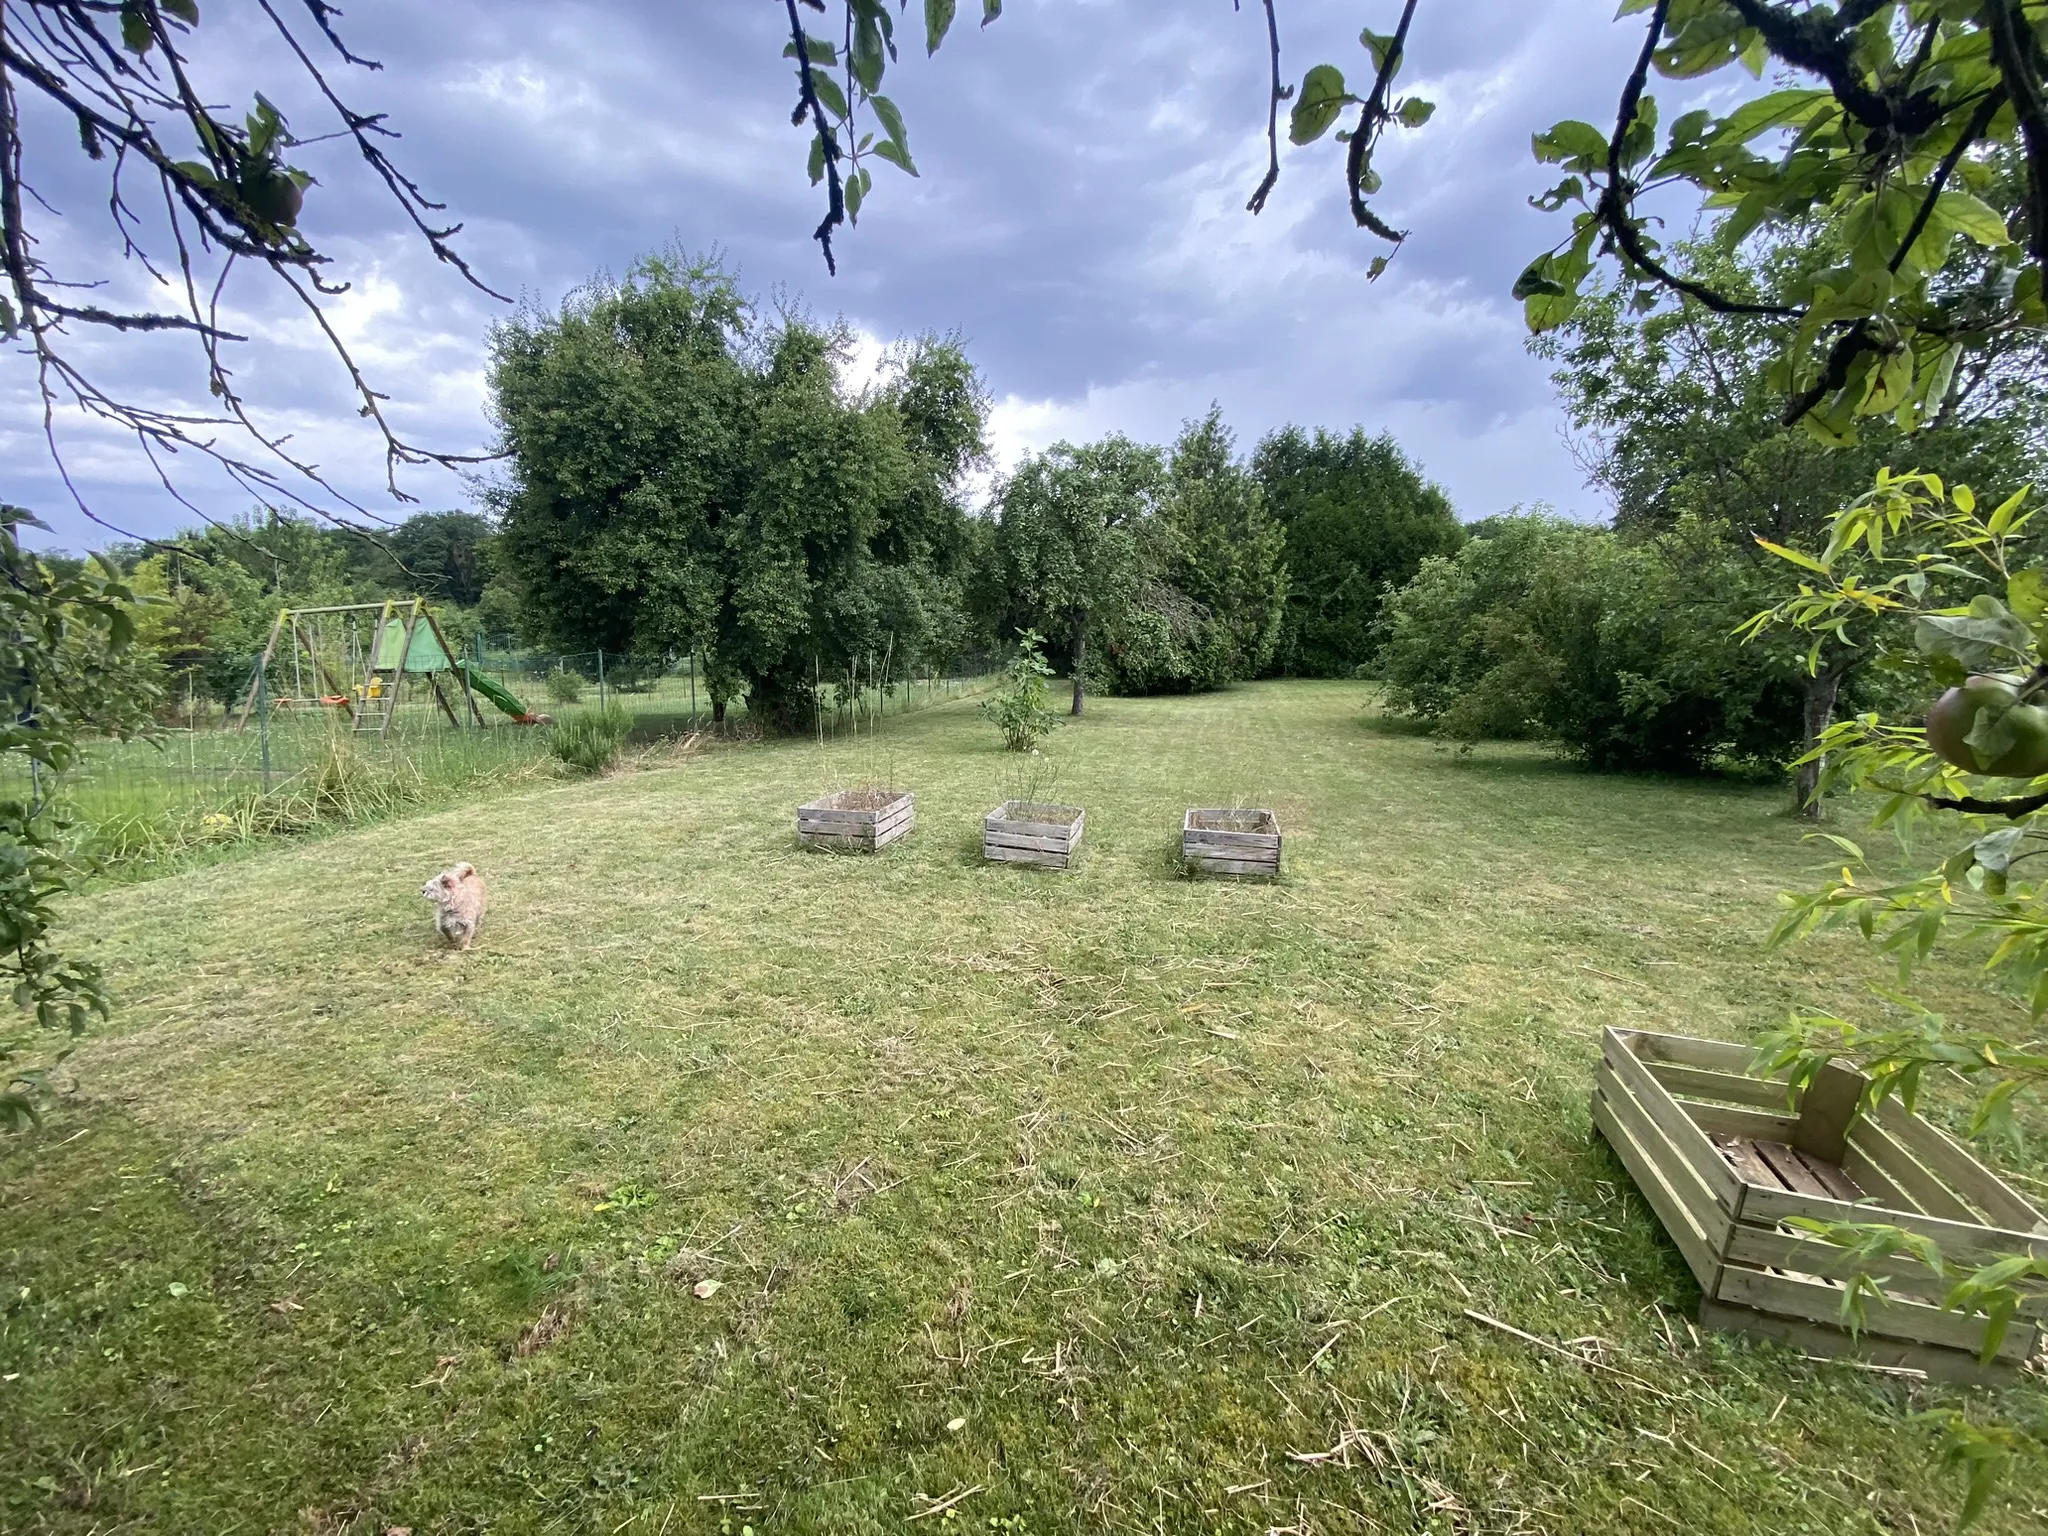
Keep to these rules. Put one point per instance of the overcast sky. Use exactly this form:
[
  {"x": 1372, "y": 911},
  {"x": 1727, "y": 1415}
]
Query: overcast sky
[{"x": 1079, "y": 220}]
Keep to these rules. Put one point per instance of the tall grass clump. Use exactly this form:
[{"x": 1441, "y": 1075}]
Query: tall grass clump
[
  {"x": 564, "y": 686},
  {"x": 343, "y": 786},
  {"x": 590, "y": 740}
]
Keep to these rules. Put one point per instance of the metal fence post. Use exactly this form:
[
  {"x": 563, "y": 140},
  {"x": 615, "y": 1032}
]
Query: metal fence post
[
  {"x": 263, "y": 720},
  {"x": 600, "y": 677},
  {"x": 693, "y": 690}
]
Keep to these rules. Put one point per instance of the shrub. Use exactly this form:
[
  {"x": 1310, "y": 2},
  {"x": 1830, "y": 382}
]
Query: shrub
[
  {"x": 590, "y": 740},
  {"x": 564, "y": 686},
  {"x": 1623, "y": 652},
  {"x": 1020, "y": 708}
]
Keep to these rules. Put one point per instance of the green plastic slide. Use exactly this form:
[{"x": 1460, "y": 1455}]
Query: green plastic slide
[{"x": 493, "y": 690}]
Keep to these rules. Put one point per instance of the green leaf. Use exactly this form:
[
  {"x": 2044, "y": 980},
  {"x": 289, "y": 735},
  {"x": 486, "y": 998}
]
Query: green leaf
[
  {"x": 1971, "y": 216},
  {"x": 1376, "y": 44},
  {"x": 892, "y": 122},
  {"x": 135, "y": 34},
  {"x": 990, "y": 10},
  {"x": 1317, "y": 104},
  {"x": 2027, "y": 594},
  {"x": 1414, "y": 112},
  {"x": 821, "y": 53},
  {"x": 1573, "y": 143},
  {"x": 1794, "y": 556},
  {"x": 1985, "y": 636},
  {"x": 830, "y": 97},
  {"x": 896, "y": 155},
  {"x": 867, "y": 58},
  {"x": 938, "y": 18},
  {"x": 1775, "y": 109},
  {"x": 186, "y": 11}
]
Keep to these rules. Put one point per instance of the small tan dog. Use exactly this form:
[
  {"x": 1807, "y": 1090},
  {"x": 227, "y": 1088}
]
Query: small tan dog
[{"x": 459, "y": 893}]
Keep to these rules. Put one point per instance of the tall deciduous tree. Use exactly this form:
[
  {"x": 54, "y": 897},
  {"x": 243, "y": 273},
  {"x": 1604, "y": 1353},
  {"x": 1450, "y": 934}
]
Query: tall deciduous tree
[
  {"x": 1069, "y": 534},
  {"x": 1358, "y": 518},
  {"x": 1219, "y": 554},
  {"x": 683, "y": 478}
]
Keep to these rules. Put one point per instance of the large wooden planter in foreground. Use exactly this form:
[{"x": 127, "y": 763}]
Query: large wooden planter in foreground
[
  {"x": 856, "y": 820},
  {"x": 1724, "y": 1162},
  {"x": 1027, "y": 832},
  {"x": 1231, "y": 842}
]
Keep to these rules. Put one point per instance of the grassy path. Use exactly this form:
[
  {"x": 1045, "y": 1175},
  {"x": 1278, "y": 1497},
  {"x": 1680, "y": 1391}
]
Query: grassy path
[{"x": 1101, "y": 1201}]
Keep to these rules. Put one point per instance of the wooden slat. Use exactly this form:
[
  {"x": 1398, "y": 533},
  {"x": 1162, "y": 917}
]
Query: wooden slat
[
  {"x": 1033, "y": 819},
  {"x": 1761, "y": 1249},
  {"x": 825, "y": 814},
  {"x": 1818, "y": 1303},
  {"x": 1791, "y": 1172},
  {"x": 1960, "y": 1242},
  {"x": 1690, "y": 1216},
  {"x": 1827, "y": 1109},
  {"x": 1806, "y": 1173},
  {"x": 1816, "y": 1339},
  {"x": 1697, "y": 1082},
  {"x": 1231, "y": 842},
  {"x": 1875, "y": 1183},
  {"x": 1739, "y": 1152},
  {"x": 1234, "y": 866},
  {"x": 1678, "y": 1127},
  {"x": 1925, "y": 1190},
  {"x": 1770, "y": 1249},
  {"x": 1201, "y": 818},
  {"x": 1954, "y": 1164},
  {"x": 1688, "y": 1052},
  {"x": 1026, "y": 856},
  {"x": 1833, "y": 1181},
  {"x": 1756, "y": 1124},
  {"x": 1061, "y": 830},
  {"x": 991, "y": 838}
]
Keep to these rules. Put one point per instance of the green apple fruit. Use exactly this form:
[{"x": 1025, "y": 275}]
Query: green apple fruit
[{"x": 1957, "y": 714}]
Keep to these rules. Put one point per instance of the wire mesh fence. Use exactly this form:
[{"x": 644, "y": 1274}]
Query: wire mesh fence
[{"x": 231, "y": 734}]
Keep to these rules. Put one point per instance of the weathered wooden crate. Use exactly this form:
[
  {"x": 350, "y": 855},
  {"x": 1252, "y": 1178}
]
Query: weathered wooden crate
[
  {"x": 1029, "y": 832},
  {"x": 856, "y": 820},
  {"x": 1230, "y": 842},
  {"x": 1725, "y": 1159}
]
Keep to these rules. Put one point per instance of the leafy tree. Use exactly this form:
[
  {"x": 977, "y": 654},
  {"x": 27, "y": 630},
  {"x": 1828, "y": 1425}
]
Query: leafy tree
[
  {"x": 440, "y": 556},
  {"x": 1679, "y": 418},
  {"x": 1358, "y": 518},
  {"x": 1621, "y": 652},
  {"x": 1941, "y": 586},
  {"x": 1205, "y": 609},
  {"x": 684, "y": 480},
  {"x": 192, "y": 192},
  {"x": 68, "y": 660},
  {"x": 1225, "y": 550},
  {"x": 1069, "y": 533}
]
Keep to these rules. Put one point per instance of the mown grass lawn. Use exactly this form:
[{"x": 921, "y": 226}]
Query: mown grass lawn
[{"x": 1108, "y": 1200}]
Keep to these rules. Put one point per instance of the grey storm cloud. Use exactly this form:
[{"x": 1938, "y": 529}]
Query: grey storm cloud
[{"x": 1079, "y": 219}]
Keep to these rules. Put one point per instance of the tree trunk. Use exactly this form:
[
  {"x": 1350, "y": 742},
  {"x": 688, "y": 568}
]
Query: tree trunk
[
  {"x": 1819, "y": 713},
  {"x": 717, "y": 710},
  {"x": 1080, "y": 657}
]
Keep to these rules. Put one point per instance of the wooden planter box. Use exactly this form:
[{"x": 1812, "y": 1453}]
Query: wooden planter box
[
  {"x": 856, "y": 820},
  {"x": 1027, "y": 832},
  {"x": 1225, "y": 842},
  {"x": 1724, "y": 1160}
]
